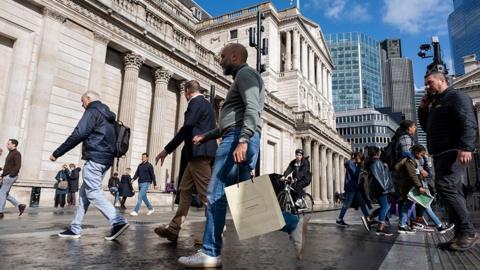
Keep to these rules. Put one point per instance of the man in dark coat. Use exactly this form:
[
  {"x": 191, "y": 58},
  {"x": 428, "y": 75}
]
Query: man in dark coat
[
  {"x": 73, "y": 182},
  {"x": 199, "y": 118},
  {"x": 448, "y": 117},
  {"x": 96, "y": 129},
  {"x": 300, "y": 170}
]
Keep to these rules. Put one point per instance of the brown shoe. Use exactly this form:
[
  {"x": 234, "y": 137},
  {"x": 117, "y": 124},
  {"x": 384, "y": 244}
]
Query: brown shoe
[
  {"x": 21, "y": 209},
  {"x": 167, "y": 232},
  {"x": 1, "y": 215},
  {"x": 447, "y": 244},
  {"x": 464, "y": 242}
]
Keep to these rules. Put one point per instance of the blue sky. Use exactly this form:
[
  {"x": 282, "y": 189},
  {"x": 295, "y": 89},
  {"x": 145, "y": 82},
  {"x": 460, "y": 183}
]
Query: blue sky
[{"x": 413, "y": 21}]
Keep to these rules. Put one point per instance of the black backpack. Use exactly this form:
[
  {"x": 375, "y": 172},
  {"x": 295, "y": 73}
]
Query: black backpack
[
  {"x": 389, "y": 154},
  {"x": 122, "y": 140}
]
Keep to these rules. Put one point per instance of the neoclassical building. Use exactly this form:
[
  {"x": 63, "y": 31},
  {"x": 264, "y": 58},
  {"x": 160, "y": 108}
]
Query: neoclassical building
[{"x": 137, "y": 54}]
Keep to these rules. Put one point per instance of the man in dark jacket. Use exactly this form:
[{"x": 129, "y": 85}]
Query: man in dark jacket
[
  {"x": 199, "y": 118},
  {"x": 73, "y": 184},
  {"x": 448, "y": 117},
  {"x": 9, "y": 175},
  {"x": 145, "y": 176},
  {"x": 96, "y": 129},
  {"x": 300, "y": 170}
]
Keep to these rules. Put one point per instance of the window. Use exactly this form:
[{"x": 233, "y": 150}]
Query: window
[{"x": 234, "y": 34}]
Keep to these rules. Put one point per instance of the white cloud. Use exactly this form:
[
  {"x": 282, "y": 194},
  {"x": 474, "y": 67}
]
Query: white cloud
[
  {"x": 414, "y": 16},
  {"x": 341, "y": 9}
]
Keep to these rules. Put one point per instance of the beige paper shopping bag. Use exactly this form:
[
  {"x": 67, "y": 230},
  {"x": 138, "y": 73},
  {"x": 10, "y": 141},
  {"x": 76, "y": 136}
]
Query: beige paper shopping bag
[{"x": 254, "y": 207}]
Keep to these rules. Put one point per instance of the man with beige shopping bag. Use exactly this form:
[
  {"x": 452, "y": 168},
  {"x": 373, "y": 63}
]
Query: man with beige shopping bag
[{"x": 240, "y": 128}]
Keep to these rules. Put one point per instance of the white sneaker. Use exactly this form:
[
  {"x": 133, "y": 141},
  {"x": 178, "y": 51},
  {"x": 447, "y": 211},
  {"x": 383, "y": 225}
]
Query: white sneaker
[
  {"x": 133, "y": 214},
  {"x": 298, "y": 236},
  {"x": 199, "y": 260},
  {"x": 150, "y": 212}
]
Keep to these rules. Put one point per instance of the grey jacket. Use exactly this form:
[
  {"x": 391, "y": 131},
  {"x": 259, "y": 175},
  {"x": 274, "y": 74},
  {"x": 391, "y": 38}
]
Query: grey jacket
[{"x": 243, "y": 105}]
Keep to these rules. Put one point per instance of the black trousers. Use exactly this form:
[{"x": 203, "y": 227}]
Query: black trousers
[
  {"x": 448, "y": 182},
  {"x": 299, "y": 186},
  {"x": 60, "y": 200}
]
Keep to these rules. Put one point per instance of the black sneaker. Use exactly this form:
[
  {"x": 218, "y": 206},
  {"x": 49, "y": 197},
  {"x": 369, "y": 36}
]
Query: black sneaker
[
  {"x": 405, "y": 230},
  {"x": 383, "y": 232},
  {"x": 69, "y": 234},
  {"x": 341, "y": 223},
  {"x": 116, "y": 231},
  {"x": 366, "y": 223},
  {"x": 445, "y": 228}
]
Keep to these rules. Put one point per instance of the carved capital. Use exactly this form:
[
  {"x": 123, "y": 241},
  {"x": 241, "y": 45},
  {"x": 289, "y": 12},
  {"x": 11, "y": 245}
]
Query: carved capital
[
  {"x": 133, "y": 60},
  {"x": 54, "y": 15},
  {"x": 307, "y": 139},
  {"x": 162, "y": 75},
  {"x": 181, "y": 86},
  {"x": 100, "y": 38},
  {"x": 316, "y": 143}
]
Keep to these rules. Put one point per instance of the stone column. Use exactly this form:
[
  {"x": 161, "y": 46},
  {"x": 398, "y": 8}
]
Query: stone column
[
  {"x": 311, "y": 66},
  {"x": 182, "y": 107},
  {"x": 324, "y": 82},
  {"x": 307, "y": 146},
  {"x": 330, "y": 90},
  {"x": 126, "y": 114},
  {"x": 330, "y": 176},
  {"x": 156, "y": 140},
  {"x": 323, "y": 175},
  {"x": 315, "y": 165},
  {"x": 337, "y": 172},
  {"x": 97, "y": 68},
  {"x": 288, "y": 51},
  {"x": 341, "y": 165},
  {"x": 318, "y": 75},
  {"x": 296, "y": 50},
  {"x": 305, "y": 58},
  {"x": 39, "y": 105}
]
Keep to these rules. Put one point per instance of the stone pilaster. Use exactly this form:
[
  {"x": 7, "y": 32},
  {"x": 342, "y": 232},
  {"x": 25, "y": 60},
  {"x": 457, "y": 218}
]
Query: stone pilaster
[
  {"x": 97, "y": 67},
  {"x": 318, "y": 75},
  {"x": 157, "y": 128},
  {"x": 323, "y": 175},
  {"x": 288, "y": 51},
  {"x": 304, "y": 58},
  {"x": 311, "y": 66},
  {"x": 296, "y": 50},
  {"x": 315, "y": 165},
  {"x": 341, "y": 165},
  {"x": 329, "y": 82},
  {"x": 337, "y": 173},
  {"x": 40, "y": 101},
  {"x": 132, "y": 64},
  {"x": 329, "y": 176},
  {"x": 324, "y": 82}
]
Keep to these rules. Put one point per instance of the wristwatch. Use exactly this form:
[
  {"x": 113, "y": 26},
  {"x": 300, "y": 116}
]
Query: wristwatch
[{"x": 243, "y": 140}]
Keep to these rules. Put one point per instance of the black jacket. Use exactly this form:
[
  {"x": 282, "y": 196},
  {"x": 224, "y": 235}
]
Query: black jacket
[
  {"x": 145, "y": 173},
  {"x": 199, "y": 118},
  {"x": 302, "y": 172},
  {"x": 126, "y": 188},
  {"x": 449, "y": 122},
  {"x": 114, "y": 182},
  {"x": 73, "y": 180},
  {"x": 97, "y": 132}
]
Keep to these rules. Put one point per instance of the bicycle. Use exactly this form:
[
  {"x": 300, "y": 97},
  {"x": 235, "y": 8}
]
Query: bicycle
[{"x": 286, "y": 201}]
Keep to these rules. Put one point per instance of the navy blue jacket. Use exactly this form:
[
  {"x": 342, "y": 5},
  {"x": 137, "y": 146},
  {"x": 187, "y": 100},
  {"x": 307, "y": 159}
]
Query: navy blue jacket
[
  {"x": 145, "y": 173},
  {"x": 351, "y": 176},
  {"x": 199, "y": 118},
  {"x": 97, "y": 132}
]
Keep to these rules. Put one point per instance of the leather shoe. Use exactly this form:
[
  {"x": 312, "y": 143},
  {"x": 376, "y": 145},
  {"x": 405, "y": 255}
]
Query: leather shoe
[
  {"x": 166, "y": 232},
  {"x": 1, "y": 215},
  {"x": 21, "y": 209},
  {"x": 464, "y": 242}
]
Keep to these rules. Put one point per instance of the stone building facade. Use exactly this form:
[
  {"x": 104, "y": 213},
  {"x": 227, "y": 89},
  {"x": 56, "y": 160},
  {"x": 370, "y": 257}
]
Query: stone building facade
[{"x": 137, "y": 54}]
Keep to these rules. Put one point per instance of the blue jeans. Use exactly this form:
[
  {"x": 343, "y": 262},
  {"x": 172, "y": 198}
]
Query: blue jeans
[
  {"x": 142, "y": 196},
  {"x": 115, "y": 192},
  {"x": 350, "y": 196},
  {"x": 384, "y": 207},
  {"x": 406, "y": 206},
  {"x": 4, "y": 192},
  {"x": 434, "y": 217},
  {"x": 225, "y": 174},
  {"x": 91, "y": 191}
]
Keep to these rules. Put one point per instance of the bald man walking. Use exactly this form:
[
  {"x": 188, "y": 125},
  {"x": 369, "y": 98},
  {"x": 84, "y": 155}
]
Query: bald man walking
[{"x": 237, "y": 154}]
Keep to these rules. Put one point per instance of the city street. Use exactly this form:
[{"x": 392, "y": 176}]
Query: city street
[{"x": 30, "y": 242}]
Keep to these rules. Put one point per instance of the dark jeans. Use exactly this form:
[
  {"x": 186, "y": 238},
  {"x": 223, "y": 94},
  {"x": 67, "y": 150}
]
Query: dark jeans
[
  {"x": 298, "y": 187},
  {"x": 448, "y": 182},
  {"x": 71, "y": 198},
  {"x": 60, "y": 200}
]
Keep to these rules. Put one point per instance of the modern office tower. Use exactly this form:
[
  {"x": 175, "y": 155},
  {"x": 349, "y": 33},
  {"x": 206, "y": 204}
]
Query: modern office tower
[
  {"x": 357, "y": 81},
  {"x": 464, "y": 31}
]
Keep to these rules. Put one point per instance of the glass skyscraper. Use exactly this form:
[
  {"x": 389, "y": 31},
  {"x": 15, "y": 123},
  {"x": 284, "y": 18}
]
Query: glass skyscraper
[
  {"x": 464, "y": 30},
  {"x": 357, "y": 80}
]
